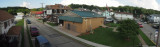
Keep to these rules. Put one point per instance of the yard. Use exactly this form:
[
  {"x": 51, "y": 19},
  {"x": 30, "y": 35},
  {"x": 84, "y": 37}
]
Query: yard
[
  {"x": 112, "y": 24},
  {"x": 52, "y": 24},
  {"x": 21, "y": 23},
  {"x": 107, "y": 37}
]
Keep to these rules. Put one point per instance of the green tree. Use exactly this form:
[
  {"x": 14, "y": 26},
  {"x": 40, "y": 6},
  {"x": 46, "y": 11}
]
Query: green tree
[{"x": 128, "y": 28}]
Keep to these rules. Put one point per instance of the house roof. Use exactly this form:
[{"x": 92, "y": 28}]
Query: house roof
[
  {"x": 81, "y": 14},
  {"x": 87, "y": 14},
  {"x": 156, "y": 15},
  {"x": 69, "y": 18},
  {"x": 14, "y": 30},
  {"x": 5, "y": 15},
  {"x": 124, "y": 13},
  {"x": 58, "y": 6}
]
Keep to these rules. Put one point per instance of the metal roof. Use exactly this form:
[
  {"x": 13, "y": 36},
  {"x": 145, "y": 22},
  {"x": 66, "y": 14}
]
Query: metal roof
[
  {"x": 87, "y": 14},
  {"x": 69, "y": 18}
]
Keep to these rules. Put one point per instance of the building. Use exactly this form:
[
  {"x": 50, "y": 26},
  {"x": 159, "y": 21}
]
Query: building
[
  {"x": 6, "y": 21},
  {"x": 19, "y": 16},
  {"x": 154, "y": 18},
  {"x": 97, "y": 11},
  {"x": 14, "y": 36},
  {"x": 83, "y": 9},
  {"x": 53, "y": 11},
  {"x": 123, "y": 16},
  {"x": 81, "y": 21},
  {"x": 10, "y": 35},
  {"x": 108, "y": 16}
]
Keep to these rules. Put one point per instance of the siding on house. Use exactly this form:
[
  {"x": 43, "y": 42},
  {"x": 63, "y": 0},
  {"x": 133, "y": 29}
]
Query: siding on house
[
  {"x": 123, "y": 16},
  {"x": 7, "y": 18}
]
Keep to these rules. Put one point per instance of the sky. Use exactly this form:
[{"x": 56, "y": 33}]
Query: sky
[{"x": 149, "y": 4}]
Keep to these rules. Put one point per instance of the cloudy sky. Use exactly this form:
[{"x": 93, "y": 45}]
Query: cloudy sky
[{"x": 149, "y": 4}]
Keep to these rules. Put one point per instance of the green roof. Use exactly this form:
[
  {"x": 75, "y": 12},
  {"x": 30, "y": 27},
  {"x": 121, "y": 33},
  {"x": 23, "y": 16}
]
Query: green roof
[
  {"x": 81, "y": 14},
  {"x": 69, "y": 18},
  {"x": 87, "y": 14}
]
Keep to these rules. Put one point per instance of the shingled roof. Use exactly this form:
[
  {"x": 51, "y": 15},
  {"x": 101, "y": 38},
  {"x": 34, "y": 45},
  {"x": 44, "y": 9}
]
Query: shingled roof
[
  {"x": 5, "y": 15},
  {"x": 14, "y": 30}
]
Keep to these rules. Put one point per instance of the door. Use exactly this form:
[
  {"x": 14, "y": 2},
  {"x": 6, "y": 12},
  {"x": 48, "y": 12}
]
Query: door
[{"x": 68, "y": 26}]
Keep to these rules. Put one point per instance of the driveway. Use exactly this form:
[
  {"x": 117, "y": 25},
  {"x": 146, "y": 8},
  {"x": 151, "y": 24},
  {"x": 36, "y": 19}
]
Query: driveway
[{"x": 54, "y": 37}]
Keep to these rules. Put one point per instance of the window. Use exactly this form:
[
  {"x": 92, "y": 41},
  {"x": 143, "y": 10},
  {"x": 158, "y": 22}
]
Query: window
[
  {"x": 5, "y": 25},
  {"x": 8, "y": 23},
  {"x": 12, "y": 20}
]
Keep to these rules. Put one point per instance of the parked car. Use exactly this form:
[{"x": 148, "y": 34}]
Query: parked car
[
  {"x": 155, "y": 26},
  {"x": 140, "y": 25},
  {"x": 28, "y": 21},
  {"x": 41, "y": 41},
  {"x": 34, "y": 31}
]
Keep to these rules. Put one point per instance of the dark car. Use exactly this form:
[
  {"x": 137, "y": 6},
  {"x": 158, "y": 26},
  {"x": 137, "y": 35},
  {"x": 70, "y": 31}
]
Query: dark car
[
  {"x": 155, "y": 26},
  {"x": 28, "y": 21},
  {"x": 34, "y": 31},
  {"x": 41, "y": 41}
]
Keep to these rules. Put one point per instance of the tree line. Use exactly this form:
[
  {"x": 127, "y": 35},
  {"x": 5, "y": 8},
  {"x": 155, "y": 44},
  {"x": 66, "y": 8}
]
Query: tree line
[
  {"x": 15, "y": 10},
  {"x": 130, "y": 9}
]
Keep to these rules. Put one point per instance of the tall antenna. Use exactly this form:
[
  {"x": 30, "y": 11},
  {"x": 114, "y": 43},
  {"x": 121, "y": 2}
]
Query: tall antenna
[{"x": 107, "y": 7}]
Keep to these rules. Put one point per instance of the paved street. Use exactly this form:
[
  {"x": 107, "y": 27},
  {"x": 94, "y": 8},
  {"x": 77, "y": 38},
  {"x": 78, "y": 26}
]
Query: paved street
[
  {"x": 149, "y": 31},
  {"x": 54, "y": 37}
]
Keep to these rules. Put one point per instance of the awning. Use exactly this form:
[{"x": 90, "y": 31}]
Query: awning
[{"x": 41, "y": 12}]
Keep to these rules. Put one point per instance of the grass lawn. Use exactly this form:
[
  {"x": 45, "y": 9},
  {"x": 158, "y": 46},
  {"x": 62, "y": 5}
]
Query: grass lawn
[
  {"x": 52, "y": 24},
  {"x": 105, "y": 36},
  {"x": 21, "y": 23},
  {"x": 112, "y": 24},
  {"x": 146, "y": 39}
]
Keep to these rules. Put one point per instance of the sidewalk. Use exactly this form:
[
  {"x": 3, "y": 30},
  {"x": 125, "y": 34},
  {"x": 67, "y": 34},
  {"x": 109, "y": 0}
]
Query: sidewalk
[
  {"x": 83, "y": 41},
  {"x": 26, "y": 41}
]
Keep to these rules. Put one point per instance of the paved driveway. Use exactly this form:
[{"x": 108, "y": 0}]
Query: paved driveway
[{"x": 54, "y": 37}]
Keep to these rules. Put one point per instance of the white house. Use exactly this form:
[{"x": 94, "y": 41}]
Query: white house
[
  {"x": 6, "y": 21},
  {"x": 108, "y": 15},
  {"x": 154, "y": 18},
  {"x": 122, "y": 16},
  {"x": 19, "y": 16}
]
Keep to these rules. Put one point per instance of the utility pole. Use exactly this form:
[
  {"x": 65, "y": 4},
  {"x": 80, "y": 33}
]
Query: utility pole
[
  {"x": 158, "y": 36},
  {"x": 43, "y": 12}
]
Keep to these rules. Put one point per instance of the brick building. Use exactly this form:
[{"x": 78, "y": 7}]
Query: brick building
[
  {"x": 81, "y": 21},
  {"x": 53, "y": 11}
]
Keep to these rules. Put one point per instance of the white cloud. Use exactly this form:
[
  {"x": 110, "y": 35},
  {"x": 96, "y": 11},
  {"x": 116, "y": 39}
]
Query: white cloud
[
  {"x": 149, "y": 4},
  {"x": 25, "y": 4},
  {"x": 101, "y": 3}
]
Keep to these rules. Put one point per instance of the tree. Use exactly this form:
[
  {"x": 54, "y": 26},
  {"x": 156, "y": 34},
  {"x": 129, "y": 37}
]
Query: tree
[{"x": 128, "y": 28}]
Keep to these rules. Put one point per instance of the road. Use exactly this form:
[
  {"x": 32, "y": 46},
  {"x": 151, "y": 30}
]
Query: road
[
  {"x": 54, "y": 37},
  {"x": 149, "y": 31}
]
